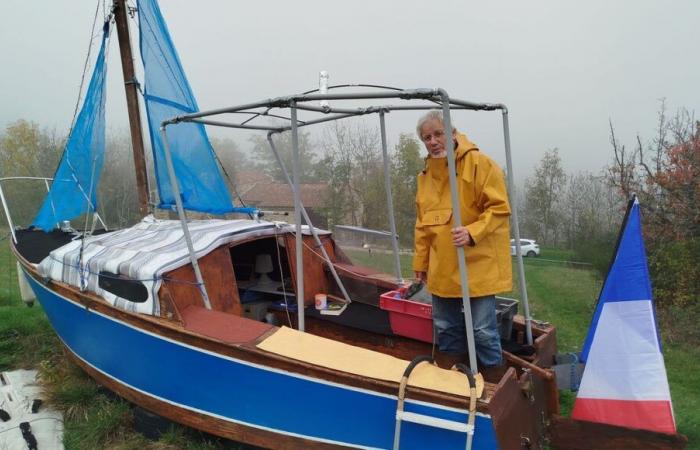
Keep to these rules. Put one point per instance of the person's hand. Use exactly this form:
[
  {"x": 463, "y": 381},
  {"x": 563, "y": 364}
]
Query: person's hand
[
  {"x": 461, "y": 237},
  {"x": 421, "y": 276}
]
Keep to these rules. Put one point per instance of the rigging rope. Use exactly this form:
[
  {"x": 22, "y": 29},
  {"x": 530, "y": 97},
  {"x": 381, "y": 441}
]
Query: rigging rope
[
  {"x": 284, "y": 287},
  {"x": 85, "y": 68},
  {"x": 231, "y": 183},
  {"x": 90, "y": 207}
]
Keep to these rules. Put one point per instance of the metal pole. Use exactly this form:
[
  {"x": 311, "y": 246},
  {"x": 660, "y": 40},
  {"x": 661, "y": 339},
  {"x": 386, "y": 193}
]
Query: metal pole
[
  {"x": 101, "y": 221},
  {"x": 183, "y": 218},
  {"x": 516, "y": 228},
  {"x": 48, "y": 194},
  {"x": 308, "y": 221},
  {"x": 7, "y": 214},
  {"x": 389, "y": 200},
  {"x": 89, "y": 202},
  {"x": 457, "y": 221},
  {"x": 297, "y": 218}
]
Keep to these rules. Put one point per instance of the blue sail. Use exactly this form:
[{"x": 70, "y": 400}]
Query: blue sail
[
  {"x": 167, "y": 94},
  {"x": 73, "y": 191}
]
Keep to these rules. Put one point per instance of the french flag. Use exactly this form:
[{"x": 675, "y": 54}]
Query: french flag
[{"x": 624, "y": 381}]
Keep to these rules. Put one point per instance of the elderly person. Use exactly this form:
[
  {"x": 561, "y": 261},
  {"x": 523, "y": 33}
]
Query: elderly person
[{"x": 484, "y": 232}]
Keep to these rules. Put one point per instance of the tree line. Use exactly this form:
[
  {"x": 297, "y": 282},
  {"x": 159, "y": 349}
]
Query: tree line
[{"x": 579, "y": 211}]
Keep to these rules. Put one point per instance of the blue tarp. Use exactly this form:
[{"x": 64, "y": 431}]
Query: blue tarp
[
  {"x": 79, "y": 171},
  {"x": 167, "y": 94}
]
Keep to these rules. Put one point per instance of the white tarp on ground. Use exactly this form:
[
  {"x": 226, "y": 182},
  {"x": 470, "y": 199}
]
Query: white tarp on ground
[
  {"x": 145, "y": 252},
  {"x": 18, "y": 392}
]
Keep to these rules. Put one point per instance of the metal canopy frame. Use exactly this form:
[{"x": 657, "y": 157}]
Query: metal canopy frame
[{"x": 436, "y": 98}]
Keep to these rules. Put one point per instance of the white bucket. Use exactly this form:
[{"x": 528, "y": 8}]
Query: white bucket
[{"x": 321, "y": 301}]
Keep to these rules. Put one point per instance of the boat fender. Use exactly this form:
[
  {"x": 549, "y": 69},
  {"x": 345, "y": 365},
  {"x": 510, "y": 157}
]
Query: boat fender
[
  {"x": 25, "y": 291},
  {"x": 4, "y": 415},
  {"x": 28, "y": 436}
]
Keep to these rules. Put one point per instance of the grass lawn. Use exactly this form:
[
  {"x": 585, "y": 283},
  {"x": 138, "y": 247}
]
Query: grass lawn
[{"x": 94, "y": 418}]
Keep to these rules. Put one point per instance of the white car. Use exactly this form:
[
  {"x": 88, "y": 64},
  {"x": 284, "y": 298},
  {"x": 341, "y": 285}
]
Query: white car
[{"x": 528, "y": 246}]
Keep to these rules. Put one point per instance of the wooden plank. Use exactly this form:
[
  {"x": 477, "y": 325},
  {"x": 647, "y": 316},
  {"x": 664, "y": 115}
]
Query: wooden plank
[
  {"x": 519, "y": 424},
  {"x": 217, "y": 273},
  {"x": 315, "y": 279}
]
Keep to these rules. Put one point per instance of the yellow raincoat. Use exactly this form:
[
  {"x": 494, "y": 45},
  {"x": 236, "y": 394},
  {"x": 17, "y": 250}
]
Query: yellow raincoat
[{"x": 485, "y": 212}]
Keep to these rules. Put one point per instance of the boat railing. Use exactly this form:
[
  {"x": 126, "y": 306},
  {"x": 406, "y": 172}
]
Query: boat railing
[
  {"x": 437, "y": 99},
  {"x": 47, "y": 183}
]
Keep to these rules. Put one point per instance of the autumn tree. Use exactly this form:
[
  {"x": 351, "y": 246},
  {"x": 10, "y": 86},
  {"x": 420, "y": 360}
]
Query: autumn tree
[
  {"x": 117, "y": 200},
  {"x": 406, "y": 165},
  {"x": 541, "y": 215},
  {"x": 591, "y": 214},
  {"x": 664, "y": 173},
  {"x": 265, "y": 160},
  {"x": 27, "y": 150},
  {"x": 352, "y": 154}
]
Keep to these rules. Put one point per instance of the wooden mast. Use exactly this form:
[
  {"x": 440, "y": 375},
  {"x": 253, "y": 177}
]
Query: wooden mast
[{"x": 132, "y": 101}]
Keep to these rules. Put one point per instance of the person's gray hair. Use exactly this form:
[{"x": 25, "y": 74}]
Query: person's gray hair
[{"x": 427, "y": 117}]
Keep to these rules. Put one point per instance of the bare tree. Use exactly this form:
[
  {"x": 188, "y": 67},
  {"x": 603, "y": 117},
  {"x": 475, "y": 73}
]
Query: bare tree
[
  {"x": 542, "y": 214},
  {"x": 355, "y": 155}
]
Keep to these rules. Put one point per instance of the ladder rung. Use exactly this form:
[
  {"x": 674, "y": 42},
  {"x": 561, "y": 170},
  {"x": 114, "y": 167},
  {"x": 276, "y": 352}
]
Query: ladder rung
[{"x": 434, "y": 422}]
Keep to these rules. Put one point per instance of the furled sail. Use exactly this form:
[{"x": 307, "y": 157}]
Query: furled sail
[
  {"x": 167, "y": 94},
  {"x": 73, "y": 191}
]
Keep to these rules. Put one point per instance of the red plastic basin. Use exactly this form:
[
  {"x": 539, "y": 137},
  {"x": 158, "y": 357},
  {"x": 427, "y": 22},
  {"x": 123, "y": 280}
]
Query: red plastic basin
[{"x": 408, "y": 318}]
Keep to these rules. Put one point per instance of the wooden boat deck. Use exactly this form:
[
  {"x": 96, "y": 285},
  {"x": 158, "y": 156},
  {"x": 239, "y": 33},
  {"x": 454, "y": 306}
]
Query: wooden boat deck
[{"x": 223, "y": 327}]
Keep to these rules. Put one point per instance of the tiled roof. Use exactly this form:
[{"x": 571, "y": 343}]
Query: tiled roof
[{"x": 258, "y": 189}]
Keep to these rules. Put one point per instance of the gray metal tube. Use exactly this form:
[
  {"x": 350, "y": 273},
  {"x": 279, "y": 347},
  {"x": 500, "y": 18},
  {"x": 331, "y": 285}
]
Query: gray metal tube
[
  {"x": 271, "y": 102},
  {"x": 183, "y": 219},
  {"x": 476, "y": 106},
  {"x": 404, "y": 94},
  {"x": 264, "y": 128},
  {"x": 292, "y": 100},
  {"x": 353, "y": 111},
  {"x": 217, "y": 123},
  {"x": 340, "y": 284},
  {"x": 457, "y": 221},
  {"x": 297, "y": 218},
  {"x": 53, "y": 207},
  {"x": 516, "y": 228},
  {"x": 7, "y": 214},
  {"x": 389, "y": 200}
]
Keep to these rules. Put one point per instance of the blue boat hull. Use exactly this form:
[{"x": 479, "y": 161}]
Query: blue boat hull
[{"x": 234, "y": 391}]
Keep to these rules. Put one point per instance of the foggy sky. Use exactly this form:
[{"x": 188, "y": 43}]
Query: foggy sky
[{"x": 562, "y": 68}]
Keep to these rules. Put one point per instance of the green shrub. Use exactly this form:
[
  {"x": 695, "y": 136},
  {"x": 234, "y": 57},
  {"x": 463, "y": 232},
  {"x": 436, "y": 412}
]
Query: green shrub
[{"x": 596, "y": 250}]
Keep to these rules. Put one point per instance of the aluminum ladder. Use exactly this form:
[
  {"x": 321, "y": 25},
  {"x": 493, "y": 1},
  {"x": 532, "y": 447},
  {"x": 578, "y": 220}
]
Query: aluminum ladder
[{"x": 422, "y": 419}]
